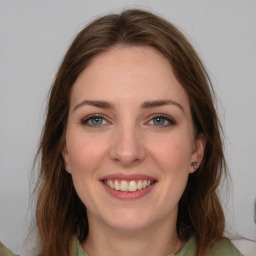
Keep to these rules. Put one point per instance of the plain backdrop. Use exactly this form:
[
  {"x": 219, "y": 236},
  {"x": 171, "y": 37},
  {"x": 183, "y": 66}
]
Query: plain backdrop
[{"x": 34, "y": 36}]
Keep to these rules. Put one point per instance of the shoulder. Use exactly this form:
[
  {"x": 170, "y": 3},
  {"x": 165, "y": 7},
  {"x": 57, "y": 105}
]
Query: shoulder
[
  {"x": 77, "y": 248},
  {"x": 5, "y": 251},
  {"x": 223, "y": 248}
]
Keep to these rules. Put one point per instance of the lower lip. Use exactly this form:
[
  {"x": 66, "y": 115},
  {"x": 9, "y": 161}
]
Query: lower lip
[{"x": 129, "y": 195}]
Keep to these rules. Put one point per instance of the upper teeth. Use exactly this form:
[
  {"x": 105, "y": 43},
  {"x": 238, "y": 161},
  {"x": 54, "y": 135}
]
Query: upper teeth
[{"x": 124, "y": 185}]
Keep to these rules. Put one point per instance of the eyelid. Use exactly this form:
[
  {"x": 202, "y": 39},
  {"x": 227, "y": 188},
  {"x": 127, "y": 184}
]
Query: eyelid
[
  {"x": 84, "y": 120},
  {"x": 170, "y": 119}
]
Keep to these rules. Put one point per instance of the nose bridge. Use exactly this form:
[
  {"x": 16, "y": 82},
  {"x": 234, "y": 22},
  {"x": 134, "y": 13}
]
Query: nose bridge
[{"x": 127, "y": 146}]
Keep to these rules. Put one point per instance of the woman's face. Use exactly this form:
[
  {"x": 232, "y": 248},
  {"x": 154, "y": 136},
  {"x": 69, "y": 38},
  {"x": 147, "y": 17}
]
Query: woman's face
[{"x": 130, "y": 140}]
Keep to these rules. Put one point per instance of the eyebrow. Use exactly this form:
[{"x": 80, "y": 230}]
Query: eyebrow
[
  {"x": 160, "y": 103},
  {"x": 145, "y": 105},
  {"x": 95, "y": 103}
]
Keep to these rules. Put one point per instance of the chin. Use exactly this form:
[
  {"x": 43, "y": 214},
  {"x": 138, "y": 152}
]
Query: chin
[{"x": 128, "y": 220}]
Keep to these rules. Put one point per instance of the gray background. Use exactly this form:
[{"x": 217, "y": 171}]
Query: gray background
[{"x": 34, "y": 36}]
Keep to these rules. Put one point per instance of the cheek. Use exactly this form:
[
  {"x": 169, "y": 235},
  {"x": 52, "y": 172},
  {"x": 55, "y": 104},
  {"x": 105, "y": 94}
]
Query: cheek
[
  {"x": 172, "y": 153},
  {"x": 85, "y": 152},
  {"x": 85, "y": 157}
]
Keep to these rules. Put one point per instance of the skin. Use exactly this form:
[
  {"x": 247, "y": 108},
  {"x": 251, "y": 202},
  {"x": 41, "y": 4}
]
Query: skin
[{"x": 129, "y": 139}]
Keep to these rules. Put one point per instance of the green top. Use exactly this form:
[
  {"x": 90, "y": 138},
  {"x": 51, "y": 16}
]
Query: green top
[
  {"x": 222, "y": 248},
  {"x": 5, "y": 251}
]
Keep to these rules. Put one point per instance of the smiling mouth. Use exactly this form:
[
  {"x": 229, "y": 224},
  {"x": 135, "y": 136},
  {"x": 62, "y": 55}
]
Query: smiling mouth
[{"x": 128, "y": 186}]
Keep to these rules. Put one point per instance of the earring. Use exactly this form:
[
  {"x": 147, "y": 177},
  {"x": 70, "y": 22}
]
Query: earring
[{"x": 194, "y": 164}]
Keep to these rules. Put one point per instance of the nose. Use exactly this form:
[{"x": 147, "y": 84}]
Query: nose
[{"x": 127, "y": 147}]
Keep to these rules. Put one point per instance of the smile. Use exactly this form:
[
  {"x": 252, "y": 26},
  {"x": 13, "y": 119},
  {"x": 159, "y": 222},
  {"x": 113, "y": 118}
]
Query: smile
[{"x": 128, "y": 186}]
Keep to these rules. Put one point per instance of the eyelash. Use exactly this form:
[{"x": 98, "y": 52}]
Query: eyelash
[
  {"x": 167, "y": 118},
  {"x": 85, "y": 121}
]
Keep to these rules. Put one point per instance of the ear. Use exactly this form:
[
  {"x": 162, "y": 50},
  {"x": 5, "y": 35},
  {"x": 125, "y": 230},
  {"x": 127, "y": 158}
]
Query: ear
[
  {"x": 198, "y": 152},
  {"x": 65, "y": 156}
]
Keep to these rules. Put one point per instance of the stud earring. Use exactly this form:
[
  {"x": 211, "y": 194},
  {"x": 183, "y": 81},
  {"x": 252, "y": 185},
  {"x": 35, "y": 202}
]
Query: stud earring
[{"x": 194, "y": 164}]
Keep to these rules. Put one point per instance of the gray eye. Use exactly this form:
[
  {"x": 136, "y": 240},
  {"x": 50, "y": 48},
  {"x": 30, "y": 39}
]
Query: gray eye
[
  {"x": 95, "y": 121},
  {"x": 159, "y": 121},
  {"x": 162, "y": 120}
]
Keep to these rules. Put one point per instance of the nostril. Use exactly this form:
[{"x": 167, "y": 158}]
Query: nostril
[
  {"x": 127, "y": 156},
  {"x": 127, "y": 147}
]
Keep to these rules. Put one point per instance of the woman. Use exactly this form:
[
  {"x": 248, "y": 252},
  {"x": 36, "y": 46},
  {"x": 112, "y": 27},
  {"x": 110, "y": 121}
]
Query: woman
[{"x": 131, "y": 153}]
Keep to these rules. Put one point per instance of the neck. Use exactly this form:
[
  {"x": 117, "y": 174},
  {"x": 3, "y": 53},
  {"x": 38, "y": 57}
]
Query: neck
[{"x": 159, "y": 239}]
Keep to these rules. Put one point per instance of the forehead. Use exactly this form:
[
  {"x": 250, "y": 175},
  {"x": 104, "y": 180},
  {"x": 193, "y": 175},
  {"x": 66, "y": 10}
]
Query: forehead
[{"x": 128, "y": 73}]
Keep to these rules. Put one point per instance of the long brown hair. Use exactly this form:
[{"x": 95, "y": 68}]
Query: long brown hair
[{"x": 60, "y": 214}]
